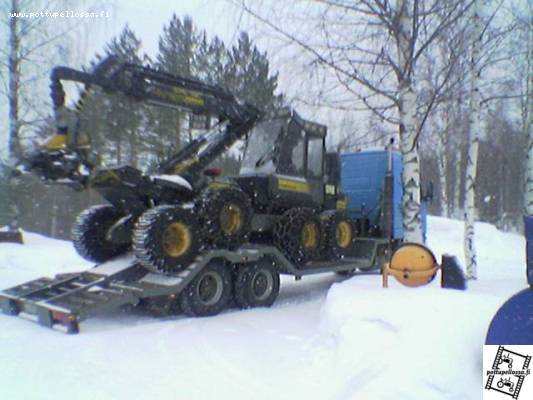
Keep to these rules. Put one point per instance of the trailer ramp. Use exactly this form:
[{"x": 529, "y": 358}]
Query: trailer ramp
[
  {"x": 65, "y": 300},
  {"x": 61, "y": 302}
]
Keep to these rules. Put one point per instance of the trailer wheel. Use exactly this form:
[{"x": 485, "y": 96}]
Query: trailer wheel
[
  {"x": 299, "y": 234},
  {"x": 227, "y": 214},
  {"x": 90, "y": 230},
  {"x": 256, "y": 285},
  {"x": 166, "y": 238},
  {"x": 209, "y": 293},
  {"x": 339, "y": 233}
]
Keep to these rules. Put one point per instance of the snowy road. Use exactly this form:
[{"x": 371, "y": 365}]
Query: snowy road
[{"x": 323, "y": 339}]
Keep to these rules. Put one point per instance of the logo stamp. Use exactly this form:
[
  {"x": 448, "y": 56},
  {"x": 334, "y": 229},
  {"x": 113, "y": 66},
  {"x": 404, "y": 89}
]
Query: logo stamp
[{"x": 507, "y": 372}]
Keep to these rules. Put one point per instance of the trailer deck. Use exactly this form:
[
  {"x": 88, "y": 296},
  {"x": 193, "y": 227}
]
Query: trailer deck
[{"x": 64, "y": 301}]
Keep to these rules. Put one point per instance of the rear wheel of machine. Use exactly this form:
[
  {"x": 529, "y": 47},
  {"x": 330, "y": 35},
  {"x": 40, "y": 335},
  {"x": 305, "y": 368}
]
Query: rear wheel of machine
[
  {"x": 209, "y": 293},
  {"x": 90, "y": 231},
  {"x": 298, "y": 233},
  {"x": 166, "y": 238},
  {"x": 339, "y": 234},
  {"x": 227, "y": 215},
  {"x": 256, "y": 285}
]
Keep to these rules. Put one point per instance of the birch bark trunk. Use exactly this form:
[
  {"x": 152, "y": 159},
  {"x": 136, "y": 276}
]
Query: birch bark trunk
[
  {"x": 407, "y": 112},
  {"x": 14, "y": 151},
  {"x": 442, "y": 156},
  {"x": 473, "y": 145},
  {"x": 457, "y": 185},
  {"x": 14, "y": 79}
]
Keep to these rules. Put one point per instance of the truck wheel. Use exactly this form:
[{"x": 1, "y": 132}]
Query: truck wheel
[
  {"x": 90, "y": 230},
  {"x": 256, "y": 285},
  {"x": 166, "y": 238},
  {"x": 227, "y": 214},
  {"x": 339, "y": 233},
  {"x": 298, "y": 233},
  {"x": 209, "y": 293}
]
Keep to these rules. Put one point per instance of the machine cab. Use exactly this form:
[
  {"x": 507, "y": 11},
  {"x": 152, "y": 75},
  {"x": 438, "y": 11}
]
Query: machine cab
[{"x": 291, "y": 152}]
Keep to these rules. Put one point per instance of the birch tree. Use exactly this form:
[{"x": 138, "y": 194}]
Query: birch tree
[
  {"x": 473, "y": 144},
  {"x": 526, "y": 107}
]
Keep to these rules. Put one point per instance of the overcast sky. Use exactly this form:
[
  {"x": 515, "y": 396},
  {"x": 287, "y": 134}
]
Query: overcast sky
[{"x": 147, "y": 18}]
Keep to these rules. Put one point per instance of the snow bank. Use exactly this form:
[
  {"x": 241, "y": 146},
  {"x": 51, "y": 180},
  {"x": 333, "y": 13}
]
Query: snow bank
[{"x": 396, "y": 342}]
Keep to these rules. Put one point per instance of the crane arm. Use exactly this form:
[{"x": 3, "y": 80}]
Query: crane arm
[{"x": 149, "y": 86}]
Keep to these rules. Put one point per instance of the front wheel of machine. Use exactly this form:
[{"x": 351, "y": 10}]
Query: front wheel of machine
[
  {"x": 209, "y": 293},
  {"x": 166, "y": 238},
  {"x": 256, "y": 285},
  {"x": 89, "y": 234}
]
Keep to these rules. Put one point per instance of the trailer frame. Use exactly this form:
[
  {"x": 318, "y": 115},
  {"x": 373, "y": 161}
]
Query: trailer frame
[{"x": 64, "y": 301}]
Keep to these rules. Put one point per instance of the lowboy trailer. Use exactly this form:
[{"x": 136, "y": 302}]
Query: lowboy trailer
[{"x": 64, "y": 301}]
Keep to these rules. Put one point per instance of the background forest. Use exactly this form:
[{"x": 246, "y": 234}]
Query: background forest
[{"x": 124, "y": 132}]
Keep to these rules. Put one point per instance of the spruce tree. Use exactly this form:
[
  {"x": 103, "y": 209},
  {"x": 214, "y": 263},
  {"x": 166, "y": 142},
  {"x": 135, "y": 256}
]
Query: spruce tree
[
  {"x": 113, "y": 121},
  {"x": 247, "y": 75}
]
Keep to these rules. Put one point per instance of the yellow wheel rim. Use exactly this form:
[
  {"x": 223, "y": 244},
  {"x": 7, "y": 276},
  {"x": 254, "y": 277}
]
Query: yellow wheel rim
[
  {"x": 176, "y": 239},
  {"x": 310, "y": 235},
  {"x": 231, "y": 219},
  {"x": 343, "y": 234}
]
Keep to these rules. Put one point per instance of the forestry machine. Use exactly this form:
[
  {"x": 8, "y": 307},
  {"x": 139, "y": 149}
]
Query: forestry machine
[{"x": 287, "y": 193}]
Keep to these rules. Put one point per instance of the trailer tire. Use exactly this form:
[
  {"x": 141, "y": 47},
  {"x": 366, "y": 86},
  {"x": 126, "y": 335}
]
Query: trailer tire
[
  {"x": 256, "y": 285},
  {"x": 299, "y": 235},
  {"x": 90, "y": 230},
  {"x": 166, "y": 238},
  {"x": 210, "y": 292},
  {"x": 227, "y": 216}
]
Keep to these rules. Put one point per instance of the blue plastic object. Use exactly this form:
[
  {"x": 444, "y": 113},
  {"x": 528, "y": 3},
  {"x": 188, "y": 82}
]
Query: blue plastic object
[{"x": 513, "y": 323}]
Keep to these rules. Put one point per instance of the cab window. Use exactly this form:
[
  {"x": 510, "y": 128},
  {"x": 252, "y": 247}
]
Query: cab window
[
  {"x": 315, "y": 156},
  {"x": 292, "y": 155}
]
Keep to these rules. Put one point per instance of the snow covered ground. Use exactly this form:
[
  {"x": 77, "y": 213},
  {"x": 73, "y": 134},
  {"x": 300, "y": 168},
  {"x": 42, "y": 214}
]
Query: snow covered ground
[{"x": 325, "y": 338}]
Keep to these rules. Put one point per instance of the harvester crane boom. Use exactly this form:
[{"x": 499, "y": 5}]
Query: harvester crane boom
[{"x": 154, "y": 87}]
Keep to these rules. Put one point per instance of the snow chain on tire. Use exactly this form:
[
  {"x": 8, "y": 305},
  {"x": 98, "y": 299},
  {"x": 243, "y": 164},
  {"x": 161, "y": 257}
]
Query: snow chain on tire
[
  {"x": 299, "y": 234},
  {"x": 227, "y": 216},
  {"x": 90, "y": 231},
  {"x": 166, "y": 238},
  {"x": 339, "y": 233}
]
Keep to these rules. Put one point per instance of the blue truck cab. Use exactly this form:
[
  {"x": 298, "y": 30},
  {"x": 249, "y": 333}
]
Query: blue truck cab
[{"x": 362, "y": 181}]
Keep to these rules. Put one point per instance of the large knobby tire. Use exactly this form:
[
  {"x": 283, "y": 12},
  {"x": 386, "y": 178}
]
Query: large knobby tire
[
  {"x": 210, "y": 292},
  {"x": 339, "y": 234},
  {"x": 166, "y": 238},
  {"x": 299, "y": 235},
  {"x": 89, "y": 234},
  {"x": 227, "y": 216},
  {"x": 256, "y": 285}
]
